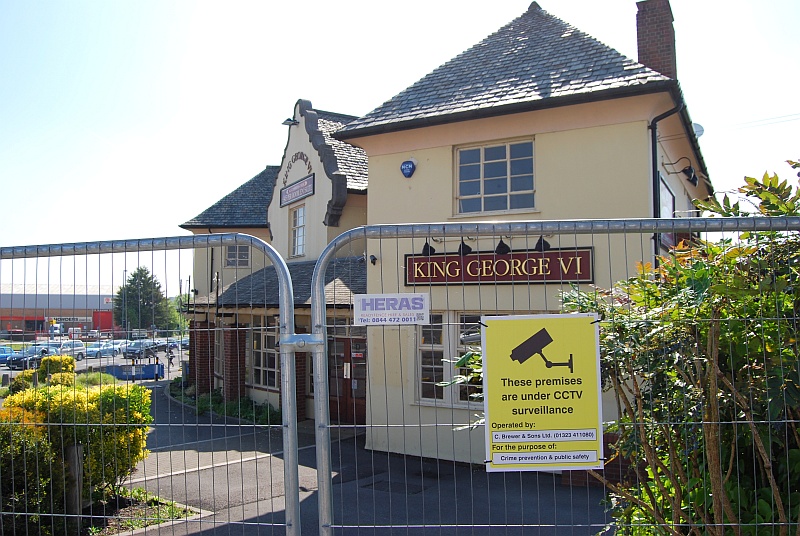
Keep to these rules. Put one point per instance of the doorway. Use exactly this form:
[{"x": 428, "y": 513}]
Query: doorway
[{"x": 347, "y": 380}]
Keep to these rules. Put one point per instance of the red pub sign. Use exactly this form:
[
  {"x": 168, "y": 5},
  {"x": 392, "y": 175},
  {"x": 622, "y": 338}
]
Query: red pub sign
[{"x": 572, "y": 265}]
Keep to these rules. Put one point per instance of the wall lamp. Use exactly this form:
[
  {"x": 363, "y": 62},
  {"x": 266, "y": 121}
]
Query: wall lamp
[
  {"x": 688, "y": 170},
  {"x": 373, "y": 259},
  {"x": 464, "y": 249},
  {"x": 541, "y": 245},
  {"x": 289, "y": 122},
  {"x": 502, "y": 248},
  {"x": 428, "y": 249}
]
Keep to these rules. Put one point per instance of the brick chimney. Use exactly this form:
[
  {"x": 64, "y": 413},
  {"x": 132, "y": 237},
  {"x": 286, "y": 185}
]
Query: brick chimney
[{"x": 656, "y": 36}]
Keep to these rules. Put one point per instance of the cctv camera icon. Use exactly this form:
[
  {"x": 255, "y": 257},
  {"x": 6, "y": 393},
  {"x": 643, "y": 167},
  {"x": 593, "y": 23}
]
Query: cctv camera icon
[{"x": 535, "y": 344}]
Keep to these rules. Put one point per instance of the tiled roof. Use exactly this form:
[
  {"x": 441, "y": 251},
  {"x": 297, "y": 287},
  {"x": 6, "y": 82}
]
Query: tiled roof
[
  {"x": 246, "y": 206},
  {"x": 344, "y": 277},
  {"x": 535, "y": 58},
  {"x": 352, "y": 160}
]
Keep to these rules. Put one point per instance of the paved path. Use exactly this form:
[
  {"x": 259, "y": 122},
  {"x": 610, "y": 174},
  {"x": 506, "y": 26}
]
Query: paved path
[{"x": 234, "y": 473}]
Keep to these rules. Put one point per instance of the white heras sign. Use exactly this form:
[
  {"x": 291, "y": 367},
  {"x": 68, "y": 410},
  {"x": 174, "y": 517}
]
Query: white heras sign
[{"x": 391, "y": 309}]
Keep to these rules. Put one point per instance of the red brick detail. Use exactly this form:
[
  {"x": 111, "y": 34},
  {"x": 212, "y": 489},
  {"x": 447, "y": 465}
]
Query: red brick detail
[
  {"x": 234, "y": 366},
  {"x": 656, "y": 36},
  {"x": 201, "y": 356}
]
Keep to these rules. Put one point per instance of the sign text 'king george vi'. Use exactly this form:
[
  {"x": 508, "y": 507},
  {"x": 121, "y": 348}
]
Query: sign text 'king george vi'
[
  {"x": 391, "y": 309},
  {"x": 297, "y": 190},
  {"x": 574, "y": 265}
]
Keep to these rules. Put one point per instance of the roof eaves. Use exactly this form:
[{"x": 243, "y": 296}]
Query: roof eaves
[{"x": 514, "y": 108}]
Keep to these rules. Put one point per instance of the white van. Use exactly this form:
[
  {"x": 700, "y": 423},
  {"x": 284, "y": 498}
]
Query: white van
[{"x": 74, "y": 333}]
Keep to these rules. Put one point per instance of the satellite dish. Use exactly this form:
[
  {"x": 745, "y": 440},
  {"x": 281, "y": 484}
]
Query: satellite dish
[{"x": 698, "y": 129}]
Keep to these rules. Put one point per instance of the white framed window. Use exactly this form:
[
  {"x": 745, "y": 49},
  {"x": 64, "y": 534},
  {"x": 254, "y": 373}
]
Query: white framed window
[
  {"x": 494, "y": 178},
  {"x": 439, "y": 345},
  {"x": 237, "y": 256},
  {"x": 298, "y": 231},
  {"x": 266, "y": 357}
]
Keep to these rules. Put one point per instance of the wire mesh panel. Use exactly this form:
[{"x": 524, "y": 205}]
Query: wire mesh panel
[
  {"x": 698, "y": 360},
  {"x": 134, "y": 394}
]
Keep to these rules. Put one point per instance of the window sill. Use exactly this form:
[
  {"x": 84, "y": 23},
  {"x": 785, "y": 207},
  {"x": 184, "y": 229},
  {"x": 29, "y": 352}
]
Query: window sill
[
  {"x": 449, "y": 406},
  {"x": 495, "y": 213}
]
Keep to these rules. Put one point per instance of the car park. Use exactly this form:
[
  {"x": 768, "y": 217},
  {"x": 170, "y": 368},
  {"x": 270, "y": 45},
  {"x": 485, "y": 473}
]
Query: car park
[
  {"x": 101, "y": 349},
  {"x": 30, "y": 357},
  {"x": 74, "y": 348},
  {"x": 141, "y": 349}
]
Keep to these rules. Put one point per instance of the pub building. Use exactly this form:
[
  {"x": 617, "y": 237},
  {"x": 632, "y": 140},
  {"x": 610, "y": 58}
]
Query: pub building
[{"x": 562, "y": 128}]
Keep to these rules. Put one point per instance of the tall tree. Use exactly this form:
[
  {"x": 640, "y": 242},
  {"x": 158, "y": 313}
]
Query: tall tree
[{"x": 140, "y": 303}]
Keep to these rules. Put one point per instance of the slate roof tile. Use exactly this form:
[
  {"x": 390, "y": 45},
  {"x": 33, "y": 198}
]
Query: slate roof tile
[
  {"x": 536, "y": 56},
  {"x": 246, "y": 206},
  {"x": 344, "y": 277}
]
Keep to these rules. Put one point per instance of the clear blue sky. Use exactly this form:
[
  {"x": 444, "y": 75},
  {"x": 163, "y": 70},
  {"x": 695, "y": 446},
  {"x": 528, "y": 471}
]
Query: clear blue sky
[{"x": 125, "y": 119}]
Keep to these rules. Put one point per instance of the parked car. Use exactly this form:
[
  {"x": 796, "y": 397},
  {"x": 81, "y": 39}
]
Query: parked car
[
  {"x": 101, "y": 349},
  {"x": 5, "y": 352},
  {"x": 30, "y": 357},
  {"x": 140, "y": 349},
  {"x": 120, "y": 344},
  {"x": 185, "y": 343},
  {"x": 75, "y": 348}
]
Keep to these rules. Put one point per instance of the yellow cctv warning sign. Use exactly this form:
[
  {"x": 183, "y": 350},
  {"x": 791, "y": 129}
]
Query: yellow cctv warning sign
[{"x": 541, "y": 385}]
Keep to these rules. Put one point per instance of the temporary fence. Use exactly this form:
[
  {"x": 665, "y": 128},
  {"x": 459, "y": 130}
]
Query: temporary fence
[
  {"x": 696, "y": 355},
  {"x": 384, "y": 407}
]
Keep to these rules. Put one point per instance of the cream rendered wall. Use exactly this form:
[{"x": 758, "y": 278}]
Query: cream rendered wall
[
  {"x": 316, "y": 205},
  {"x": 590, "y": 161},
  {"x": 354, "y": 215},
  {"x": 202, "y": 269}
]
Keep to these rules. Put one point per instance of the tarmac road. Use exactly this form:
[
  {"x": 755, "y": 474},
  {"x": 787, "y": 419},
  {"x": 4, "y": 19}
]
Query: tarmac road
[{"x": 234, "y": 473}]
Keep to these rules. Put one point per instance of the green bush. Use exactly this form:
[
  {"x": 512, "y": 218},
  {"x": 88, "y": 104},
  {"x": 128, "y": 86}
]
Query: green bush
[
  {"x": 54, "y": 364},
  {"x": 703, "y": 354},
  {"x": 62, "y": 378},
  {"x": 90, "y": 379},
  {"x": 110, "y": 421},
  {"x": 32, "y": 476},
  {"x": 22, "y": 381}
]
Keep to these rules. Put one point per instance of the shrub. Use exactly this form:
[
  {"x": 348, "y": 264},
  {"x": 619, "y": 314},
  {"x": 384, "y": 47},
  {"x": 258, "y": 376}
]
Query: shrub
[
  {"x": 31, "y": 475},
  {"x": 110, "y": 421},
  {"x": 95, "y": 378},
  {"x": 53, "y": 364},
  {"x": 22, "y": 381},
  {"x": 62, "y": 378}
]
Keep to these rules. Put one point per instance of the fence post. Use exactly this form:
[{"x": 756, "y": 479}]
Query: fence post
[{"x": 73, "y": 455}]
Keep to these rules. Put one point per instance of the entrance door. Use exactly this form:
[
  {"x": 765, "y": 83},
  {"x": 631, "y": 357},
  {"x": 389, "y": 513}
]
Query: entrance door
[{"x": 347, "y": 380}]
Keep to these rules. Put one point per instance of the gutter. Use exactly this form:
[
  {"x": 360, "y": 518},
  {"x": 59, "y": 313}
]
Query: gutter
[{"x": 654, "y": 163}]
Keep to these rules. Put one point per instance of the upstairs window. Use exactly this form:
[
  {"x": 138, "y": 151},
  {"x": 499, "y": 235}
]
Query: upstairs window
[
  {"x": 495, "y": 178},
  {"x": 298, "y": 230},
  {"x": 237, "y": 257}
]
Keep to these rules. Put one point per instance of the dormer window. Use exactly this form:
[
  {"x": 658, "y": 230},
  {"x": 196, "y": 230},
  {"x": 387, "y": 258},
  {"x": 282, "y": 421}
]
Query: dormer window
[{"x": 495, "y": 178}]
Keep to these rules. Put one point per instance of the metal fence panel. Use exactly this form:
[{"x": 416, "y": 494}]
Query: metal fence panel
[
  {"x": 73, "y": 458},
  {"x": 700, "y": 369}
]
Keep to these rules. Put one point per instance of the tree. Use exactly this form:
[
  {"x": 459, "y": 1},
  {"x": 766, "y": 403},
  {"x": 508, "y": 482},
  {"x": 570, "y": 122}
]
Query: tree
[
  {"x": 703, "y": 355},
  {"x": 140, "y": 303}
]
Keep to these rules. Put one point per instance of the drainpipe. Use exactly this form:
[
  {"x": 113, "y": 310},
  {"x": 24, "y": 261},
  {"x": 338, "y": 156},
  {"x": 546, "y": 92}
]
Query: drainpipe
[{"x": 654, "y": 162}]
